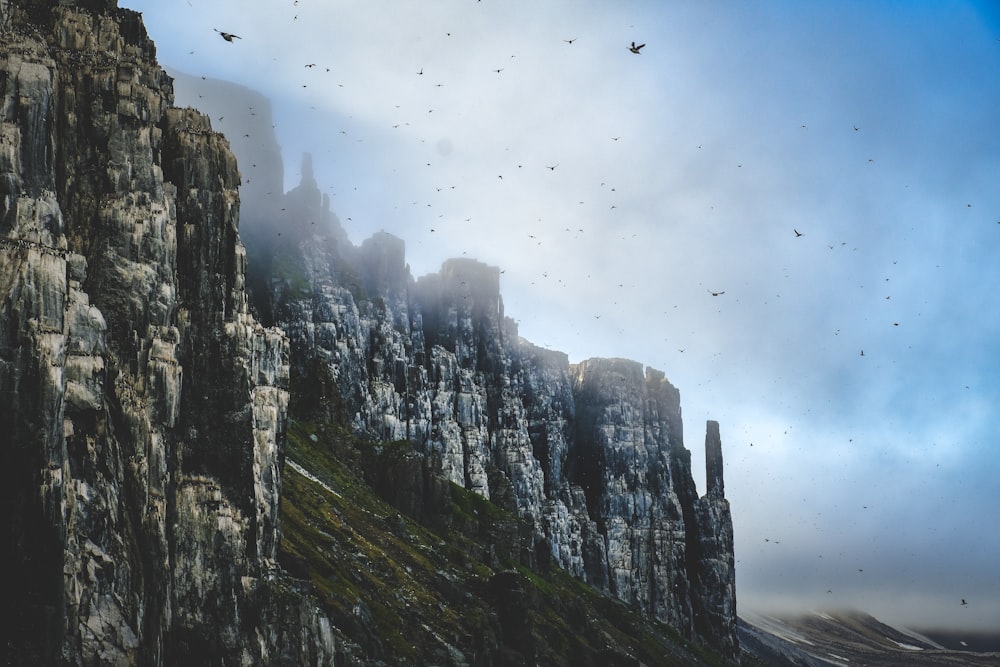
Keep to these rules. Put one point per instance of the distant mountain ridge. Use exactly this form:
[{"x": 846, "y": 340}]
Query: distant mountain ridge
[{"x": 845, "y": 638}]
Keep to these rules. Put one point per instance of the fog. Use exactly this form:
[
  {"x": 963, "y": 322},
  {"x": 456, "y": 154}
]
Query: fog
[{"x": 829, "y": 170}]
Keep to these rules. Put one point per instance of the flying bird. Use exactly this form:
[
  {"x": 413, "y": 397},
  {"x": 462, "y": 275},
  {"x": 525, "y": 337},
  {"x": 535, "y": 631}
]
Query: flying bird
[
  {"x": 716, "y": 293},
  {"x": 964, "y": 602},
  {"x": 570, "y": 41},
  {"x": 634, "y": 48},
  {"x": 797, "y": 233},
  {"x": 228, "y": 36}
]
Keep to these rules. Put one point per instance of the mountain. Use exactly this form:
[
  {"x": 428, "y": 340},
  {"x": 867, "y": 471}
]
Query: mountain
[
  {"x": 292, "y": 451},
  {"x": 435, "y": 362},
  {"x": 845, "y": 638},
  {"x": 590, "y": 456}
]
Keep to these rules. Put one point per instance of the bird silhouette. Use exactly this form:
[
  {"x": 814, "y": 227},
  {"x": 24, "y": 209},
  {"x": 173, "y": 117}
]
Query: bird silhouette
[
  {"x": 570, "y": 41},
  {"x": 964, "y": 602},
  {"x": 716, "y": 293},
  {"x": 797, "y": 233},
  {"x": 634, "y": 48},
  {"x": 228, "y": 36}
]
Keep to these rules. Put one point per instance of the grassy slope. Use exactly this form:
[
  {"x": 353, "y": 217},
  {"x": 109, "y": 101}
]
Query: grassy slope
[{"x": 411, "y": 595}]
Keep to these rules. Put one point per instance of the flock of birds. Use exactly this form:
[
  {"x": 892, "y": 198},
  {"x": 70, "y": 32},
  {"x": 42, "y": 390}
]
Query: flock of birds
[
  {"x": 229, "y": 37},
  {"x": 636, "y": 49}
]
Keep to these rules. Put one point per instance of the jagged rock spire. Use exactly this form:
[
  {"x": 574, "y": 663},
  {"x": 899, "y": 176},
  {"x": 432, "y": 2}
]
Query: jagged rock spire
[{"x": 713, "y": 460}]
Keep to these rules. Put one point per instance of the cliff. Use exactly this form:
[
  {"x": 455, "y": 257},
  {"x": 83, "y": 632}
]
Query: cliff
[
  {"x": 145, "y": 411},
  {"x": 143, "y": 407},
  {"x": 590, "y": 456}
]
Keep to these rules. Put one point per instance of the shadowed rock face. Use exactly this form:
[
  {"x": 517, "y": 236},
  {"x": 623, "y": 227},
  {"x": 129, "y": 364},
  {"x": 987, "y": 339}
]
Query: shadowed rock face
[
  {"x": 714, "y": 569},
  {"x": 142, "y": 408}
]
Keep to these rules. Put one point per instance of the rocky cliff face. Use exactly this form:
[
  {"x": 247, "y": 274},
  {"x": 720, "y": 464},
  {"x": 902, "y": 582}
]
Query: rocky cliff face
[
  {"x": 142, "y": 408},
  {"x": 590, "y": 455}
]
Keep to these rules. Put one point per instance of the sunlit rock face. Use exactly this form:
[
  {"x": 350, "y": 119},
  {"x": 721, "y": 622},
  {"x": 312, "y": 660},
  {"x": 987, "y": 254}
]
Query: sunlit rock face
[
  {"x": 590, "y": 455},
  {"x": 142, "y": 408}
]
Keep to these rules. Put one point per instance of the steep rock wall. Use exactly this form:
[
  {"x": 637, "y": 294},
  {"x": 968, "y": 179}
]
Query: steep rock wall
[
  {"x": 143, "y": 408},
  {"x": 590, "y": 455}
]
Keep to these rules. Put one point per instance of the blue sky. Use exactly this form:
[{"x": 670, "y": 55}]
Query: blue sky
[{"x": 872, "y": 128}]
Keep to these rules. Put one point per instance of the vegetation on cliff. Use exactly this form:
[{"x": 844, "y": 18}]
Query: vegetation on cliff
[{"x": 422, "y": 592}]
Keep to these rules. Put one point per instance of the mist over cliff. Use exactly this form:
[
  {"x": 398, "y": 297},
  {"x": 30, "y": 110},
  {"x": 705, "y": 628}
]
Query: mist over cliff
[
  {"x": 146, "y": 409},
  {"x": 591, "y": 455}
]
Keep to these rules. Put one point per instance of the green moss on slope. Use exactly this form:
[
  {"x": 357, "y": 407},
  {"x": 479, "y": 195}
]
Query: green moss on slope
[{"x": 412, "y": 595}]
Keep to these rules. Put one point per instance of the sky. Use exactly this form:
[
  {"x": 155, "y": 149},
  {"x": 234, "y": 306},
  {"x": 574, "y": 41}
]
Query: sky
[{"x": 831, "y": 170}]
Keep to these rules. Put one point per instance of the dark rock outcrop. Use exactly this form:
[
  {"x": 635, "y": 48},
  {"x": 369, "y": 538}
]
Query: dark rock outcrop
[
  {"x": 714, "y": 565},
  {"x": 143, "y": 408}
]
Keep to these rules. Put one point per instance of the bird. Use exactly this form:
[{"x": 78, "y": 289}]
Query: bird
[
  {"x": 634, "y": 48},
  {"x": 716, "y": 293},
  {"x": 552, "y": 168},
  {"x": 964, "y": 602},
  {"x": 228, "y": 36},
  {"x": 570, "y": 41},
  {"x": 797, "y": 233}
]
